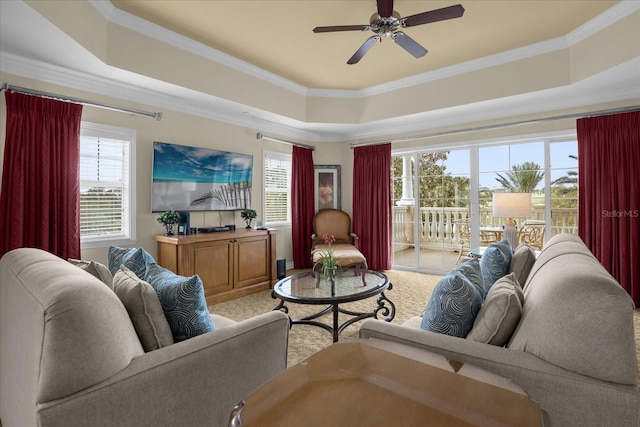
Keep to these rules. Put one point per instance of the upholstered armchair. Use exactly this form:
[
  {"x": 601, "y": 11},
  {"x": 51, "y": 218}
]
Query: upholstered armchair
[{"x": 336, "y": 223}]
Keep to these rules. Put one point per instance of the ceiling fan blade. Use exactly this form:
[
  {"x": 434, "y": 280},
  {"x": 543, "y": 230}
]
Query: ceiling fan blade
[
  {"x": 443, "y": 14},
  {"x": 363, "y": 50},
  {"x": 341, "y": 28},
  {"x": 385, "y": 8},
  {"x": 409, "y": 44}
]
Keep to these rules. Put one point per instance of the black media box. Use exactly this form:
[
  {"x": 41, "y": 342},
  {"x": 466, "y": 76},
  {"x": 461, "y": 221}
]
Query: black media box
[
  {"x": 281, "y": 265},
  {"x": 184, "y": 226}
]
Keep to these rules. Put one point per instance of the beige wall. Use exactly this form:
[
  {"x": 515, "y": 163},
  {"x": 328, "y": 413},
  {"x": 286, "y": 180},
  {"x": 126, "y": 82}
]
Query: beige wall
[
  {"x": 186, "y": 129},
  {"x": 175, "y": 128}
]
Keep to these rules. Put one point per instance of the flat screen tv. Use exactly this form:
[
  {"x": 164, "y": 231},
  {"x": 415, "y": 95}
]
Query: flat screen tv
[{"x": 198, "y": 179}]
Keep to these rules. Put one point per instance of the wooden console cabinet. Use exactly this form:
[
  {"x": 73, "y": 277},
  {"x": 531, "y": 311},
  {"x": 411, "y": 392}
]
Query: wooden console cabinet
[{"x": 231, "y": 264}]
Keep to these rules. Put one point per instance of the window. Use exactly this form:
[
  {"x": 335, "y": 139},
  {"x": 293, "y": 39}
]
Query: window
[
  {"x": 277, "y": 182},
  {"x": 434, "y": 186},
  {"x": 107, "y": 183}
]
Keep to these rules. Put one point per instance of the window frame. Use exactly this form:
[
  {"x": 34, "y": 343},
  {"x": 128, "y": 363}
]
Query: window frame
[
  {"x": 286, "y": 157},
  {"x": 128, "y": 237},
  {"x": 547, "y": 138}
]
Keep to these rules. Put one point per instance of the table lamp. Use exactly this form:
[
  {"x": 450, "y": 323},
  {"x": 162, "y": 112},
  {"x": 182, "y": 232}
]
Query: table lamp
[{"x": 511, "y": 205}]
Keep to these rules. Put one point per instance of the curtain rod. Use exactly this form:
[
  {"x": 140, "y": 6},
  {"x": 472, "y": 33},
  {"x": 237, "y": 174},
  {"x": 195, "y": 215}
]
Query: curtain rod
[
  {"x": 284, "y": 141},
  {"x": 26, "y": 91},
  {"x": 502, "y": 125}
]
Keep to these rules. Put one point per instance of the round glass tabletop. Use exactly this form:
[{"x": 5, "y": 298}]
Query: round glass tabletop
[{"x": 314, "y": 288}]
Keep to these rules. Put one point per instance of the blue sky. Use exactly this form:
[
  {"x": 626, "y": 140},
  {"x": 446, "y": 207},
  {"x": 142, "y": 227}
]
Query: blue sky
[
  {"x": 501, "y": 158},
  {"x": 181, "y": 163}
]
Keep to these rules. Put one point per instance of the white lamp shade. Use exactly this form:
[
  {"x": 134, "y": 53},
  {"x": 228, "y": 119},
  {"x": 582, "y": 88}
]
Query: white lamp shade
[{"x": 511, "y": 205}]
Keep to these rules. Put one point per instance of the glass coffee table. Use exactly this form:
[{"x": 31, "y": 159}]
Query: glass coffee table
[{"x": 312, "y": 288}]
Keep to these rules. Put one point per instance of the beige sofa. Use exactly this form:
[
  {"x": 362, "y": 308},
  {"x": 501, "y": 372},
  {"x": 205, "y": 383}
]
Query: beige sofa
[
  {"x": 69, "y": 355},
  {"x": 573, "y": 350}
]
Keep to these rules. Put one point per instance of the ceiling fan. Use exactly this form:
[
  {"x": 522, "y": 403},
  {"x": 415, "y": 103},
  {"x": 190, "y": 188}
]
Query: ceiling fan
[{"x": 386, "y": 23}]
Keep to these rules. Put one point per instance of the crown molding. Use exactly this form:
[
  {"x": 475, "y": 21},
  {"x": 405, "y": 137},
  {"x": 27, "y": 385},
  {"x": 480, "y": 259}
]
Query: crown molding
[
  {"x": 196, "y": 104},
  {"x": 139, "y": 25},
  {"x": 174, "y": 98},
  {"x": 213, "y": 108},
  {"x": 469, "y": 66},
  {"x": 615, "y": 13},
  {"x": 134, "y": 23}
]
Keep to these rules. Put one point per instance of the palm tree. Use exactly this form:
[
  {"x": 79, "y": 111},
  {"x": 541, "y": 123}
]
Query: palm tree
[
  {"x": 522, "y": 178},
  {"x": 570, "y": 178},
  {"x": 564, "y": 190}
]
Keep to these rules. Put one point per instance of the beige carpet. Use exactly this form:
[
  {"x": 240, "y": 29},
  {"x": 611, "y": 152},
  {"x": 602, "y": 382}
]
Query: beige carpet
[{"x": 410, "y": 294}]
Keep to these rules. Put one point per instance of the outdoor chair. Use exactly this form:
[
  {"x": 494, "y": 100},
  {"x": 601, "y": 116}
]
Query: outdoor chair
[
  {"x": 462, "y": 230},
  {"x": 532, "y": 233},
  {"x": 488, "y": 237}
]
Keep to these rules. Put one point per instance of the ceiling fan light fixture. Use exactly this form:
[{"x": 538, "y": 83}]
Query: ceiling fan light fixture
[
  {"x": 384, "y": 26},
  {"x": 386, "y": 22}
]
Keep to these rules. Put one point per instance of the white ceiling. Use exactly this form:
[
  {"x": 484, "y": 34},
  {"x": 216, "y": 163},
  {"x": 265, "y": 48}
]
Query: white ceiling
[{"x": 273, "y": 40}]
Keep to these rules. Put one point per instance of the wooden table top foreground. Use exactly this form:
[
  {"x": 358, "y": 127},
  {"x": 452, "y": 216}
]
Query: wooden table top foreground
[{"x": 358, "y": 384}]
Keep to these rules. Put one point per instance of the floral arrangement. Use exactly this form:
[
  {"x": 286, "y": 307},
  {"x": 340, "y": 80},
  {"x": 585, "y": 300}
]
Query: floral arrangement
[{"x": 328, "y": 261}]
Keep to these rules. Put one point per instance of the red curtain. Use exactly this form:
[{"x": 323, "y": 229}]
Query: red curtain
[
  {"x": 372, "y": 203},
  {"x": 302, "y": 205},
  {"x": 609, "y": 194},
  {"x": 40, "y": 198}
]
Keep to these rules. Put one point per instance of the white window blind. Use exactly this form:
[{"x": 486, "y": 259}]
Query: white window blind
[
  {"x": 277, "y": 184},
  {"x": 106, "y": 185}
]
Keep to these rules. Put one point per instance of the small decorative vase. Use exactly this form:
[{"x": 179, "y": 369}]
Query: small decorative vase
[
  {"x": 169, "y": 228},
  {"x": 329, "y": 273}
]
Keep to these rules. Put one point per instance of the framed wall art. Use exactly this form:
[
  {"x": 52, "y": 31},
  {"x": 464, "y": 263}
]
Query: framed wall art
[
  {"x": 327, "y": 191},
  {"x": 199, "y": 179}
]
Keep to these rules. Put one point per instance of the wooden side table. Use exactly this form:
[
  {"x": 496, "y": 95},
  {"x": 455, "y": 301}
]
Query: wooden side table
[{"x": 372, "y": 382}]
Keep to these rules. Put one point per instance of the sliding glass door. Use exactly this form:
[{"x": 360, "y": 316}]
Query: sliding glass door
[
  {"x": 431, "y": 193},
  {"x": 563, "y": 188},
  {"x": 443, "y": 199}
]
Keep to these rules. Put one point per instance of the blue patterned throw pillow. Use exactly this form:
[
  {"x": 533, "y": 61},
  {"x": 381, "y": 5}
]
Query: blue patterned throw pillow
[
  {"x": 495, "y": 263},
  {"x": 183, "y": 302},
  {"x": 135, "y": 259},
  {"x": 471, "y": 270},
  {"x": 453, "y": 306}
]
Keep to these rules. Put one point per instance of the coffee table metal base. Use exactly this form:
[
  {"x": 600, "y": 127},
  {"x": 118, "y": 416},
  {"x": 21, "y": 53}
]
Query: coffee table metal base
[{"x": 385, "y": 307}]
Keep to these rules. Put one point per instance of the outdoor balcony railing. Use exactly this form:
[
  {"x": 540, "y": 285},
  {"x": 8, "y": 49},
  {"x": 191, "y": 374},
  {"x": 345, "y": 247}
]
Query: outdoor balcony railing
[{"x": 437, "y": 229}]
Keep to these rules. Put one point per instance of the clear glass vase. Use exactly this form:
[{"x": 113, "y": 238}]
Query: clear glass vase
[
  {"x": 170, "y": 229},
  {"x": 329, "y": 272}
]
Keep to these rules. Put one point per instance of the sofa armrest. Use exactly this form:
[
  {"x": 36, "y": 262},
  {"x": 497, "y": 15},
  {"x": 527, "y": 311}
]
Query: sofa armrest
[
  {"x": 452, "y": 347},
  {"x": 194, "y": 382},
  {"x": 568, "y": 398}
]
